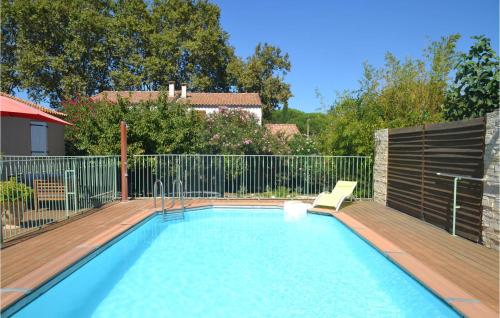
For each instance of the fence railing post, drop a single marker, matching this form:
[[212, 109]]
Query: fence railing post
[[95, 180], [115, 181], [252, 176], [124, 172], [48, 189]]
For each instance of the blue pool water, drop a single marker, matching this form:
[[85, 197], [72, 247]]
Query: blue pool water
[[222, 262]]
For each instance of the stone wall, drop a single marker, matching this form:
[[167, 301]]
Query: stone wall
[[491, 199], [380, 166]]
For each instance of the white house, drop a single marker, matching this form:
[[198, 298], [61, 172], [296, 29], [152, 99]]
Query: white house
[[207, 102]]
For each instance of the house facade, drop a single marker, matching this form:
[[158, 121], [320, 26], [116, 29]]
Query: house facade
[[206, 102], [28, 129]]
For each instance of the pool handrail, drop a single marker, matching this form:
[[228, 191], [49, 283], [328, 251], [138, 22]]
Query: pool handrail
[[178, 182], [456, 178], [162, 193]]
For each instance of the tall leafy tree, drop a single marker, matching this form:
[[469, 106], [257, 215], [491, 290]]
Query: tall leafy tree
[[9, 80], [443, 57], [55, 48], [129, 41], [312, 123], [154, 127], [475, 89], [58, 49], [187, 44], [264, 72]]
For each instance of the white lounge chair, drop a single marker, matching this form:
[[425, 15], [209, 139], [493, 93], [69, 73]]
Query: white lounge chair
[[342, 190]]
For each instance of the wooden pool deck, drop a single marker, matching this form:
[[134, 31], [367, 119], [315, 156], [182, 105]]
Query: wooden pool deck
[[464, 273]]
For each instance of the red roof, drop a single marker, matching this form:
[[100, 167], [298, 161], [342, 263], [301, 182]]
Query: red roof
[[43, 109], [13, 107], [288, 130], [224, 99], [196, 99]]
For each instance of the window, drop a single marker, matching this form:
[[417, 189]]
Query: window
[[39, 142]]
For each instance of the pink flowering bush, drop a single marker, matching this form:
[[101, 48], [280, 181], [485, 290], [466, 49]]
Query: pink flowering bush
[[303, 145], [237, 132]]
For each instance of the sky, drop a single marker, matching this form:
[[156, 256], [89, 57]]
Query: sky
[[328, 41]]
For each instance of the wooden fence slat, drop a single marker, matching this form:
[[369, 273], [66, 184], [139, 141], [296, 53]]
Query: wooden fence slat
[[416, 154]]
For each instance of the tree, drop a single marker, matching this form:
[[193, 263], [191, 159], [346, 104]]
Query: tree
[[400, 94], [475, 89], [154, 127], [9, 81], [316, 122], [166, 127], [55, 48], [163, 126], [130, 39], [95, 129], [188, 44], [58, 50], [350, 127], [264, 72]]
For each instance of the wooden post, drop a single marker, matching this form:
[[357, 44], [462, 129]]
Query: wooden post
[[123, 130]]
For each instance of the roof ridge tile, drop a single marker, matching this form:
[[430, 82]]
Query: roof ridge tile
[[31, 104], [207, 99]]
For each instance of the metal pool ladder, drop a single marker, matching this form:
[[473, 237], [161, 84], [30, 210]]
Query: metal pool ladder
[[179, 214], [174, 215], [162, 192], [181, 193]]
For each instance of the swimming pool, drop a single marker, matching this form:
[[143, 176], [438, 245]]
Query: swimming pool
[[235, 262]]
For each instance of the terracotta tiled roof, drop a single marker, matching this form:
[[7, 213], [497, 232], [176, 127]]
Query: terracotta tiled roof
[[133, 96], [43, 109], [197, 99], [288, 130], [224, 99]]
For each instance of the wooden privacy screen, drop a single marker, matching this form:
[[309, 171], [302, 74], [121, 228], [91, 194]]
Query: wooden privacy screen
[[417, 154]]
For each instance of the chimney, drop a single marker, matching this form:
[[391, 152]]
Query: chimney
[[183, 90], [171, 89]]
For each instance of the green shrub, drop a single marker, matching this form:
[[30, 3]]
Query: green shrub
[[237, 132], [163, 126], [317, 122], [12, 191], [474, 91], [303, 145], [279, 192]]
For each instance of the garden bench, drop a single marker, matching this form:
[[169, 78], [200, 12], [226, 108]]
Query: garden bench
[[44, 190]]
